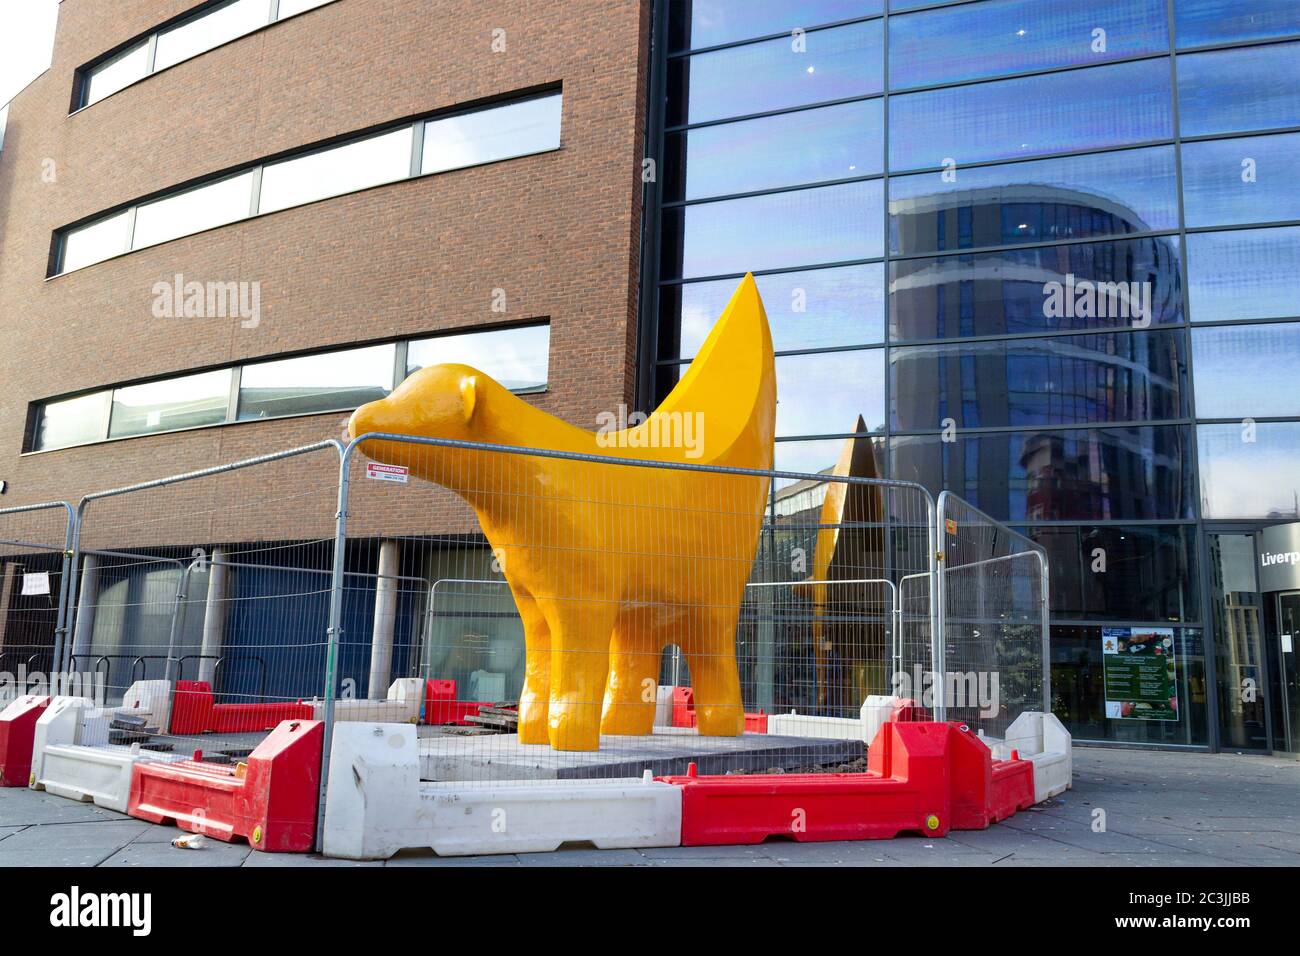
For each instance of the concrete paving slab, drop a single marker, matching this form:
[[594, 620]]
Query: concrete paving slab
[[109, 834], [213, 853]]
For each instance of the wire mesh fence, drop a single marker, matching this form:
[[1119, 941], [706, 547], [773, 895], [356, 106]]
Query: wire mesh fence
[[993, 604], [35, 541]]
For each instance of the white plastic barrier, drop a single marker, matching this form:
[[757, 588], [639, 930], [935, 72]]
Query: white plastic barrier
[[402, 705], [150, 699], [375, 805], [1043, 739], [876, 711], [826, 728], [664, 706], [71, 756]]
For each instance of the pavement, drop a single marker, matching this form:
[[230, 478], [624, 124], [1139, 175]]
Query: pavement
[[1127, 808]]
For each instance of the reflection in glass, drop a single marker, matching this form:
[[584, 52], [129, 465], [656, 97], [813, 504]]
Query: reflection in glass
[[760, 77], [1234, 91], [1074, 197], [702, 23], [1247, 371], [807, 146], [1244, 274], [72, 421], [817, 308], [1250, 470], [517, 358], [1000, 293], [337, 170], [489, 135], [1083, 474], [999, 37], [316, 383], [185, 402], [1235, 603], [1202, 22], [1064, 380], [1143, 572], [815, 457], [211, 29], [193, 211], [95, 241], [804, 226], [1231, 181], [823, 394], [117, 73], [1081, 109]]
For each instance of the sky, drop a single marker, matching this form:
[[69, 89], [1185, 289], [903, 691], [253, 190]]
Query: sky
[[26, 41]]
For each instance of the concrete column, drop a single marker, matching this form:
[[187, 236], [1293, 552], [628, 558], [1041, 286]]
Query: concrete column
[[83, 636], [386, 593], [214, 615]]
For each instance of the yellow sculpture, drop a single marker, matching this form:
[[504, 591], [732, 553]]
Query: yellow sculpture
[[609, 564]]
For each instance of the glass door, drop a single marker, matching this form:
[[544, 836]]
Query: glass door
[[1241, 671], [1287, 736]]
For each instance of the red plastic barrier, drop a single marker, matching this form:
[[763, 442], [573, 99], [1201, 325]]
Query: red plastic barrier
[[17, 730], [684, 712], [250, 718], [922, 777], [270, 802], [442, 707], [192, 707]]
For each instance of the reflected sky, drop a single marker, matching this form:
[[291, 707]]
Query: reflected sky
[[1247, 370], [1250, 479], [1250, 179], [1243, 274], [1234, 91], [713, 22]]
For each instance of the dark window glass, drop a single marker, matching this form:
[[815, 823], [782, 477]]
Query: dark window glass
[[999, 293], [316, 383], [700, 23], [1064, 380], [1250, 470], [1233, 181], [801, 227], [1234, 91], [817, 308], [824, 393], [1074, 197], [1131, 573], [1079, 698], [1236, 606], [1247, 370], [1201, 22], [807, 146], [1081, 109], [817, 456], [1244, 274], [1125, 474], [979, 40], [815, 67]]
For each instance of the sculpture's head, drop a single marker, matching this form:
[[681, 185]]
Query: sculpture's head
[[441, 401]]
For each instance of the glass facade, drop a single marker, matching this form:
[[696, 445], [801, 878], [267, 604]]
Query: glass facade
[[1050, 254]]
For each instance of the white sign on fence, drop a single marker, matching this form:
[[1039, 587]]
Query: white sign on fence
[[378, 472], [37, 582]]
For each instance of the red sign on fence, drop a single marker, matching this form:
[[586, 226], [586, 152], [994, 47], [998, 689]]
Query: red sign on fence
[[380, 472]]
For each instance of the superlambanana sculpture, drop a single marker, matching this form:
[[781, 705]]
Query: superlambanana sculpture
[[609, 564]]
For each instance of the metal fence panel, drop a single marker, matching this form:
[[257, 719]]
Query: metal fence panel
[[35, 546]]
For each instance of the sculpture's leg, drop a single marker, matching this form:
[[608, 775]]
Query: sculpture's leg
[[535, 700], [633, 678], [580, 636], [710, 651]]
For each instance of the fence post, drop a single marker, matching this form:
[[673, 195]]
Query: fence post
[[1047, 630], [333, 633], [61, 628], [940, 618]]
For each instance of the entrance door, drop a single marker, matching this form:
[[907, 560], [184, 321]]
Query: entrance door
[[1288, 623], [1242, 674]]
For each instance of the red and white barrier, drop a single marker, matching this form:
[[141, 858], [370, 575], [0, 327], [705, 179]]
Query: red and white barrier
[[17, 732]]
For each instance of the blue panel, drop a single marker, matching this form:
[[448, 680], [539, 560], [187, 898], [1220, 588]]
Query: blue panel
[[1235, 91], [701, 23], [1202, 22], [824, 393], [1244, 274], [1236, 181], [1250, 470], [1247, 371]]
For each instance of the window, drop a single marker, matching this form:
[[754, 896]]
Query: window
[[211, 27], [714, 22], [817, 308], [1232, 181], [1250, 470], [193, 211], [1235, 91], [823, 394], [1063, 380], [1247, 370], [1244, 274], [186, 402], [1202, 22], [1005, 293], [981, 40], [517, 358], [314, 174], [827, 224], [1073, 197], [493, 134], [834, 142], [316, 383], [1081, 109], [72, 421], [340, 169], [834, 64]]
